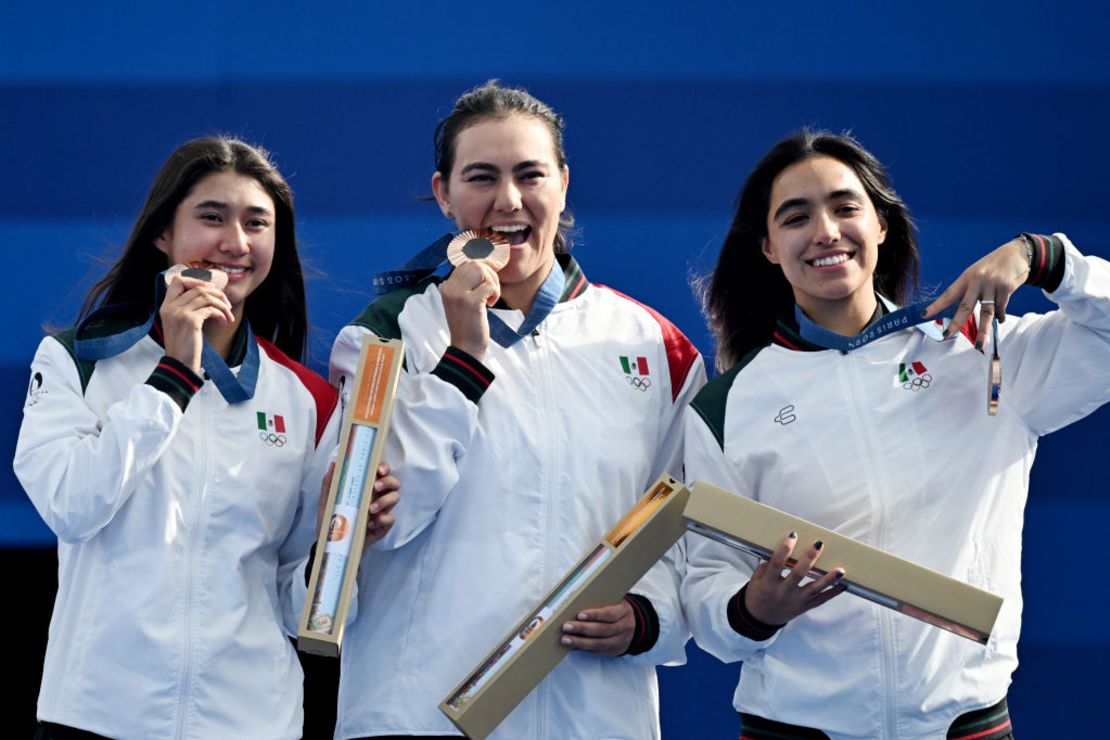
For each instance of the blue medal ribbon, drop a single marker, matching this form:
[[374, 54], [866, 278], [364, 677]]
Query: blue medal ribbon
[[434, 256], [897, 320], [419, 266], [234, 389]]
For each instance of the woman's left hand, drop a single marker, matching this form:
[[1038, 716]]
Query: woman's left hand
[[990, 282], [607, 630], [385, 496]]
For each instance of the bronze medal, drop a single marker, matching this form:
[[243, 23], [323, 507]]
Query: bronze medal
[[199, 271], [485, 245], [994, 374]]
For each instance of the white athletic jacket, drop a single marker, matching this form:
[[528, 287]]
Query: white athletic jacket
[[891, 444], [178, 535], [510, 471]]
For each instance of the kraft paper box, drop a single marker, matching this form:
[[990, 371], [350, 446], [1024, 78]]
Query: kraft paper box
[[343, 530], [869, 572], [532, 649]]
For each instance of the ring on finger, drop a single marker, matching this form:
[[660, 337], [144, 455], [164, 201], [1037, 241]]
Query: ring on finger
[[985, 302]]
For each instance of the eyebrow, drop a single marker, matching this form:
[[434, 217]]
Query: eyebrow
[[833, 196], [489, 167], [221, 206]]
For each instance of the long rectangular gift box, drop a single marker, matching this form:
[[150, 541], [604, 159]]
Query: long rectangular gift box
[[871, 573], [603, 576], [343, 529]]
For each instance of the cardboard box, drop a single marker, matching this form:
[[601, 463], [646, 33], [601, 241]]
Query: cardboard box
[[532, 649], [339, 546], [875, 575]]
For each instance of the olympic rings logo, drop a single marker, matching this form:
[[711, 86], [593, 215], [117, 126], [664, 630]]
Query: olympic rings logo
[[271, 439], [918, 382], [640, 384]]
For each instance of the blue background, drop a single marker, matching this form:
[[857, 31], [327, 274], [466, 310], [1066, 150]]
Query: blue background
[[991, 118]]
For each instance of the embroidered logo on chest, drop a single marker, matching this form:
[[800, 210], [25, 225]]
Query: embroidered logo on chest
[[786, 415], [636, 372], [271, 429], [914, 376]]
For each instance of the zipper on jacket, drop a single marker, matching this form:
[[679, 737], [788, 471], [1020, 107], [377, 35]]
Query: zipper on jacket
[[191, 532], [858, 400], [548, 488]]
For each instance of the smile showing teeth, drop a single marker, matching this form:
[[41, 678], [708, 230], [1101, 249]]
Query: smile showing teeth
[[835, 259], [515, 234], [232, 270]]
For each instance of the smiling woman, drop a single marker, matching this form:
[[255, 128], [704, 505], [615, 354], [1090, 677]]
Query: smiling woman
[[888, 443], [177, 451], [515, 377]]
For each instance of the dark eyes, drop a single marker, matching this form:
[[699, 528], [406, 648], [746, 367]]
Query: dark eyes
[[844, 210], [529, 176], [216, 218]]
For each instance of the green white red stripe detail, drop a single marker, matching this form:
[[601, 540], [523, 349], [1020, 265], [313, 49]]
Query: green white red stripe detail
[[271, 422]]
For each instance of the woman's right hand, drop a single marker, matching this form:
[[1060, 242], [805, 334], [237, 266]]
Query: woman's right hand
[[471, 287], [188, 304], [775, 599]]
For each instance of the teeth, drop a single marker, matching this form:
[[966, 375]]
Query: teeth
[[826, 261], [510, 229], [232, 270]]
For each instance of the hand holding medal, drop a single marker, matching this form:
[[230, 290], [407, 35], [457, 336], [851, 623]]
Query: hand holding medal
[[194, 294], [472, 287]]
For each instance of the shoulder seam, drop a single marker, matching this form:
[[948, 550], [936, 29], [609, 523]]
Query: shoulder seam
[[681, 352], [323, 393], [85, 368]]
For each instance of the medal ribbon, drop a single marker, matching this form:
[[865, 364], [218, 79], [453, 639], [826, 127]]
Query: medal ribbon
[[896, 320], [434, 256], [419, 266], [234, 389]]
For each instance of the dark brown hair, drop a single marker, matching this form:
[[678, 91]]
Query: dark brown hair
[[276, 309], [493, 100], [746, 294]]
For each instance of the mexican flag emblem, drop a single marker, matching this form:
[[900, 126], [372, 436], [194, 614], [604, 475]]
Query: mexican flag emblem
[[909, 371], [634, 365], [271, 422]]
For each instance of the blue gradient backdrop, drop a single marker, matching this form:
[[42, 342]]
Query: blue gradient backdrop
[[990, 116]]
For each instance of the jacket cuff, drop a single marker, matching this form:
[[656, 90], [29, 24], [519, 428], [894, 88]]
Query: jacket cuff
[[743, 623], [463, 371], [1046, 261], [176, 380], [647, 624]]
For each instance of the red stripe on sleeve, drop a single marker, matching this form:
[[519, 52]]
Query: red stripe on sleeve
[[178, 373]]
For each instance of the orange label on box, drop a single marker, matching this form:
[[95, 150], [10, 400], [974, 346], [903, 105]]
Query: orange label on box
[[371, 392]]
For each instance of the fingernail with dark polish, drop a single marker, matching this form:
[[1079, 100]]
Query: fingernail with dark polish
[[793, 535], [978, 344], [818, 545], [839, 575]]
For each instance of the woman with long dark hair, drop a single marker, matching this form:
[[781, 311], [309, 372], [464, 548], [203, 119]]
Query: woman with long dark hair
[[176, 448], [840, 404]]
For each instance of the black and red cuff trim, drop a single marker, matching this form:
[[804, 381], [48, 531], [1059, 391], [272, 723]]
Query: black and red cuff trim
[[463, 371], [742, 621], [176, 380], [1046, 261], [647, 624]]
